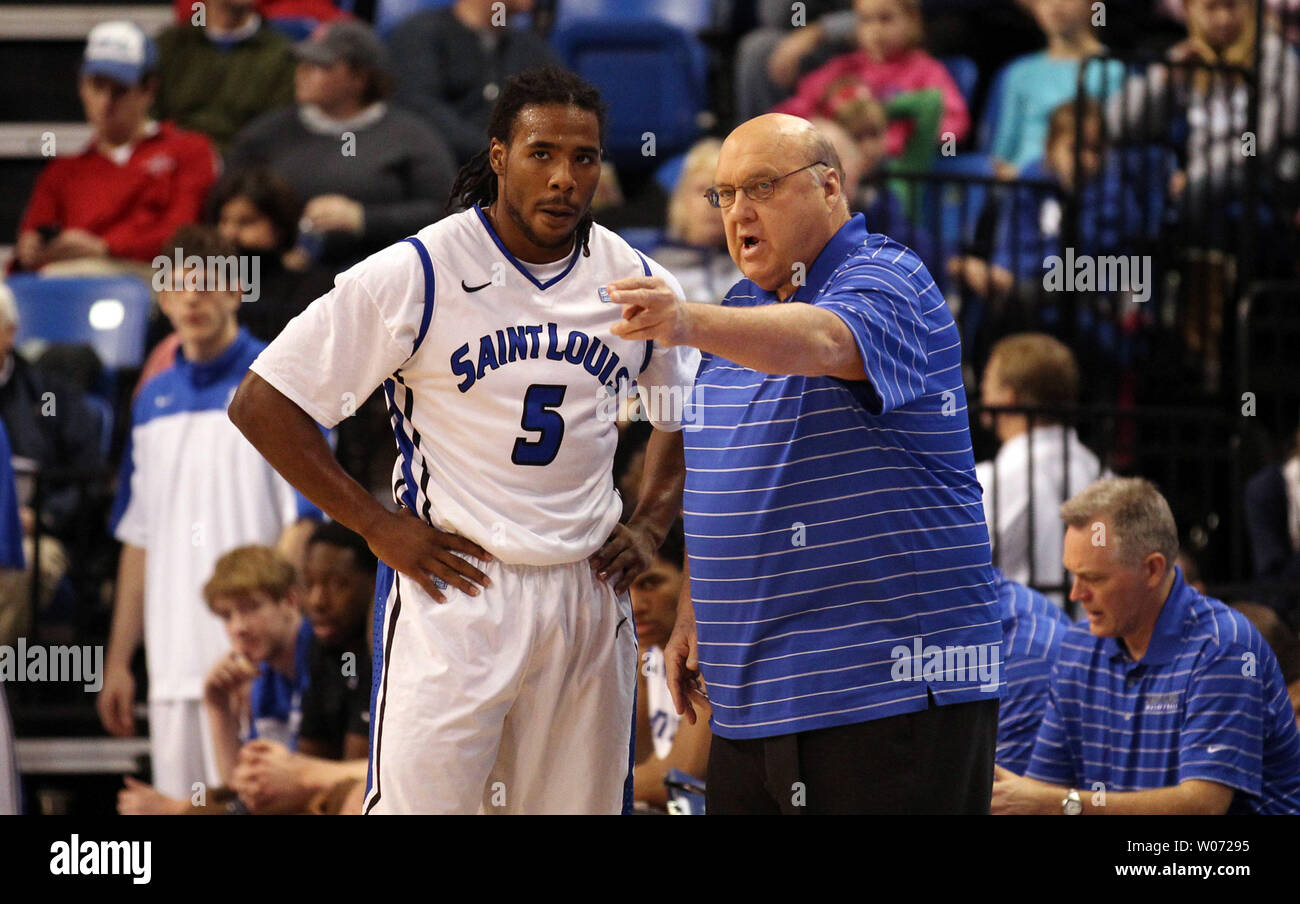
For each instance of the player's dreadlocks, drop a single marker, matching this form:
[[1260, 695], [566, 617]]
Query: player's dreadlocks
[[476, 183]]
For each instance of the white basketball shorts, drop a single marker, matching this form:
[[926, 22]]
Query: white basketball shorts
[[518, 700]]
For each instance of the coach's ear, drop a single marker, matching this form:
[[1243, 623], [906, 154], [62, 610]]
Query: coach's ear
[[497, 152]]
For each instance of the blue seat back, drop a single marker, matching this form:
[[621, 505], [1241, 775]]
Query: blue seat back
[[692, 15], [390, 12], [652, 78], [108, 313], [965, 73]]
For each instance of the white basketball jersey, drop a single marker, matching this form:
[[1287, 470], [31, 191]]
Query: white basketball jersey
[[499, 385], [663, 715]]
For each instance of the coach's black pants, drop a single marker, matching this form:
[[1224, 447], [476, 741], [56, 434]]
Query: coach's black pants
[[938, 760]]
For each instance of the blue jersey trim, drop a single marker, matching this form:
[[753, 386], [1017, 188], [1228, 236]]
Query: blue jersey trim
[[427, 264], [403, 444], [577, 250], [384, 576]]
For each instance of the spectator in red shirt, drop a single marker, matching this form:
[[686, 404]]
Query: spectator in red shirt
[[135, 183], [891, 63]]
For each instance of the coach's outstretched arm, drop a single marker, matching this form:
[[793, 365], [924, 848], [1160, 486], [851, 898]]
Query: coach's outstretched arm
[[291, 441], [775, 339]]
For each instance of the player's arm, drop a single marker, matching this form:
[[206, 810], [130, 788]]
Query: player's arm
[[117, 697], [798, 339], [631, 549], [290, 440], [690, 754]]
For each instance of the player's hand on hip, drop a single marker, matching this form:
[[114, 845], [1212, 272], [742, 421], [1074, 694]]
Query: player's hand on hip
[[651, 310], [423, 553], [683, 666], [629, 551]]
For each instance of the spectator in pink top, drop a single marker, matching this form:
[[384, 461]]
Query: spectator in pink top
[[889, 60]]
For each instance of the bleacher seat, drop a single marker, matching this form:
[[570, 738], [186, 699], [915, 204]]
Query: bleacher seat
[[988, 121], [966, 74], [652, 78], [643, 238], [692, 15], [108, 313], [668, 175], [390, 12]]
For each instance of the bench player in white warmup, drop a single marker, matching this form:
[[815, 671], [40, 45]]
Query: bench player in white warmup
[[507, 673]]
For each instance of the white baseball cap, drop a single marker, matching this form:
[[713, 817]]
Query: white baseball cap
[[121, 50]]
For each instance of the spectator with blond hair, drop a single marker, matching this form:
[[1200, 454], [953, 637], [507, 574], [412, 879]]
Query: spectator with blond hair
[[1040, 462], [695, 249], [1164, 700]]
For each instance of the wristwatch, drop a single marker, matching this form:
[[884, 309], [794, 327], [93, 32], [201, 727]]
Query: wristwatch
[[1072, 806]]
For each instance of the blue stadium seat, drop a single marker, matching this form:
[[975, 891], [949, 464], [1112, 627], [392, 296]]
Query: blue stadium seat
[[108, 313], [295, 28], [988, 123], [389, 12], [652, 78], [692, 15], [643, 238], [668, 175], [965, 73]]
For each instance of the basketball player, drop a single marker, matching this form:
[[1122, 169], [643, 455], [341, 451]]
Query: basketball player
[[506, 666]]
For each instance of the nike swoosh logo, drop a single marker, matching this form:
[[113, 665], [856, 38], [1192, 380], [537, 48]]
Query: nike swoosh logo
[[622, 622], [468, 288], [1215, 748]]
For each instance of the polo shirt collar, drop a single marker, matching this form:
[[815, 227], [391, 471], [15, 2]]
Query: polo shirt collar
[[208, 372], [847, 239], [1167, 636]]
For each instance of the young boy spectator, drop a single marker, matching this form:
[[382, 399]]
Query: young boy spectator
[[1026, 483], [371, 173], [1037, 84], [256, 690], [663, 741], [219, 75], [191, 487], [890, 62], [135, 183]]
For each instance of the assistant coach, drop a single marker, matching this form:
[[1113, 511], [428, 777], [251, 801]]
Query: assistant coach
[[844, 618]]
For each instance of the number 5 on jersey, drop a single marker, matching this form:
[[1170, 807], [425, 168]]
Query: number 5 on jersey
[[540, 416]]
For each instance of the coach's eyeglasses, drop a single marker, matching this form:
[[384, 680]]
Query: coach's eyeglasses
[[755, 189]]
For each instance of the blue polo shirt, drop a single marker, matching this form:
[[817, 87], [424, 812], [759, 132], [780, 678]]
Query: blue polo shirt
[[835, 527], [1032, 630], [276, 712], [1207, 701]]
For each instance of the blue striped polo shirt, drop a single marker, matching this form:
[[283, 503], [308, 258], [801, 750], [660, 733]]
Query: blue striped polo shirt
[[1032, 629], [1207, 701], [832, 525]]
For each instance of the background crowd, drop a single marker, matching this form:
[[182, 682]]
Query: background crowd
[[300, 136]]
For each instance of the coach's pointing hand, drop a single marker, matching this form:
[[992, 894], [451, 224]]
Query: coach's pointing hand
[[423, 553], [651, 310]]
